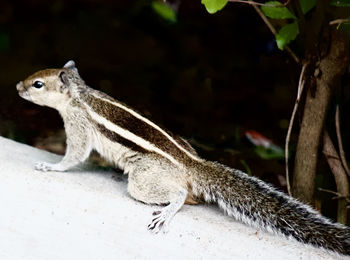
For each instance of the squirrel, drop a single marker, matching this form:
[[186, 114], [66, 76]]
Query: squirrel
[[164, 169]]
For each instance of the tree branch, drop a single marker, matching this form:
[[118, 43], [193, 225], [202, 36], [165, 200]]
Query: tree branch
[[300, 14], [338, 195], [340, 142], [296, 104], [259, 4], [340, 177], [331, 192], [339, 21]]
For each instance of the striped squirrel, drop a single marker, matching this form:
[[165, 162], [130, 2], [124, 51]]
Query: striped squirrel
[[163, 168]]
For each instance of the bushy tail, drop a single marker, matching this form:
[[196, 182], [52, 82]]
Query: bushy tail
[[256, 203]]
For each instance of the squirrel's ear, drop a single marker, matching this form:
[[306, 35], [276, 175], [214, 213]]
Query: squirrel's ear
[[70, 65], [65, 87], [64, 78]]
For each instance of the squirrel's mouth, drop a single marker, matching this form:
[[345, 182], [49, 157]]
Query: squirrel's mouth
[[24, 95]]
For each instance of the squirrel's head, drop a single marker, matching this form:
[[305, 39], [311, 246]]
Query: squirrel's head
[[51, 87]]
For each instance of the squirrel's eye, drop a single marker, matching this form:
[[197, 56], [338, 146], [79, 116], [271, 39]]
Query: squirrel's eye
[[38, 84]]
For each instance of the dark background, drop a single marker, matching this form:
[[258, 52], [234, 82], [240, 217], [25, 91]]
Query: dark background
[[206, 77]]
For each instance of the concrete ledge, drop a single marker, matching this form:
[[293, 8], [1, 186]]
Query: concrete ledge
[[87, 214]]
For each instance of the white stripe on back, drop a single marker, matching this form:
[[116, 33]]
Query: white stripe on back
[[151, 124], [129, 136]]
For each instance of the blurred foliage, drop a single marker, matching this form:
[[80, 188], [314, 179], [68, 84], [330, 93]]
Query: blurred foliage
[[273, 152], [213, 6], [287, 34], [340, 3], [275, 10], [165, 11], [345, 26], [307, 5]]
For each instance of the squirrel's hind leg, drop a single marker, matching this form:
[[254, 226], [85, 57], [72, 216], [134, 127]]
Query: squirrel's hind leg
[[163, 217], [159, 182]]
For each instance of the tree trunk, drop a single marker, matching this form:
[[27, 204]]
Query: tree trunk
[[329, 68]]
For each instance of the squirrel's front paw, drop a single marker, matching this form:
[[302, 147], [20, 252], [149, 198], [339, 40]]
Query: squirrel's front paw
[[45, 167]]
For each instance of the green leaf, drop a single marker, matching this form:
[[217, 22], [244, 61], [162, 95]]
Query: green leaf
[[287, 34], [344, 26], [307, 5], [268, 153], [274, 9], [340, 3], [213, 6], [164, 11]]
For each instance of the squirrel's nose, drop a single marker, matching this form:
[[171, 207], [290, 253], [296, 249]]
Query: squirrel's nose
[[19, 85]]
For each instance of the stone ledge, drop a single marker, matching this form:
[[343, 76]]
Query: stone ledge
[[87, 214]]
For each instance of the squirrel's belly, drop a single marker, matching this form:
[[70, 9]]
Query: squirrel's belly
[[112, 151]]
